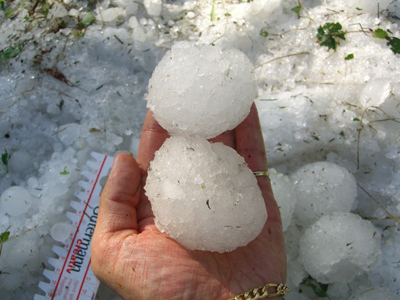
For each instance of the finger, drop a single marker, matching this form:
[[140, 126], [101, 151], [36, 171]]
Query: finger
[[250, 145], [227, 138], [153, 136], [118, 201], [250, 142]]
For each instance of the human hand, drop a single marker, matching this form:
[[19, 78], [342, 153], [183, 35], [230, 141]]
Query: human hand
[[137, 261]]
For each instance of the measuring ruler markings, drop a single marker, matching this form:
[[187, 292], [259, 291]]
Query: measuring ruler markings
[[72, 277]]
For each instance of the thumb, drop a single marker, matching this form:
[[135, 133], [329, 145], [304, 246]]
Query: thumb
[[120, 196]]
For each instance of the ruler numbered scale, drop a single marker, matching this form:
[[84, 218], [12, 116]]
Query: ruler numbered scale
[[72, 277]]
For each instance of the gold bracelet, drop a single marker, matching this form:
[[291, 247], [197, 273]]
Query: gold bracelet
[[262, 292]]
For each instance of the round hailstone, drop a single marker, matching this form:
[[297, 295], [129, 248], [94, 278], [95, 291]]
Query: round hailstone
[[20, 162], [204, 195], [61, 231], [201, 91], [16, 200], [375, 293], [285, 196], [322, 188], [339, 247]]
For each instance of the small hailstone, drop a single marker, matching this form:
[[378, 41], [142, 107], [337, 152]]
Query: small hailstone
[[153, 7], [201, 91], [60, 231], [15, 201], [322, 188], [285, 196], [375, 92], [20, 162], [339, 247], [204, 195]]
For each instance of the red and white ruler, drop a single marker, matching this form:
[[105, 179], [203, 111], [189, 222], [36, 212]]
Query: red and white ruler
[[72, 277]]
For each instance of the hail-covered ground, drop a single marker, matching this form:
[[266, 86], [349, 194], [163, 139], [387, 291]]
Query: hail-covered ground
[[74, 75]]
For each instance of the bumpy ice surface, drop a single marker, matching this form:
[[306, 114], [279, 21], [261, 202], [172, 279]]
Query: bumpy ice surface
[[322, 187], [211, 202], [343, 245], [201, 91]]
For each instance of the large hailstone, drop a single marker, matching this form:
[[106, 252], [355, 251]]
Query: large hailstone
[[339, 247], [204, 195], [322, 188], [201, 91]]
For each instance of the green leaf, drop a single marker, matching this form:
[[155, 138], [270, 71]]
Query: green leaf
[[342, 133], [264, 33], [319, 289], [4, 236], [380, 34], [358, 8], [297, 10], [350, 56], [11, 51], [356, 119], [394, 44], [329, 35], [65, 172], [88, 19], [4, 159]]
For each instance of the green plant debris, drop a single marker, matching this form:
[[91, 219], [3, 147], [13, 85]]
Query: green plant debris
[[263, 32], [349, 57], [297, 10], [4, 238], [392, 42], [212, 14], [358, 8], [87, 19], [380, 34], [11, 51], [282, 107], [4, 159], [271, 99], [2, 5], [315, 137], [342, 133], [356, 119], [330, 34], [319, 289], [64, 172], [203, 186]]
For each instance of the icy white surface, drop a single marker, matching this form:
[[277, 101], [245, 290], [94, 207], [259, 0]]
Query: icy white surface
[[375, 293], [314, 105], [201, 91], [204, 195], [15, 201], [285, 196], [337, 248], [322, 188], [61, 231]]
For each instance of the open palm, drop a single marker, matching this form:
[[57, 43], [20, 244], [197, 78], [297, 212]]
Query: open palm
[[137, 261]]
